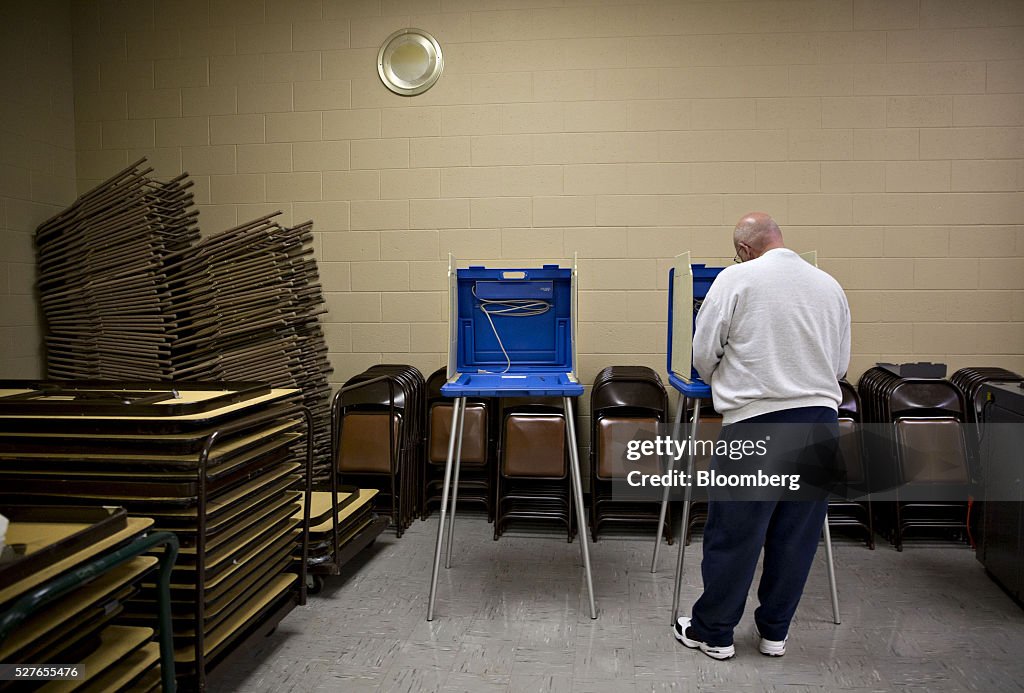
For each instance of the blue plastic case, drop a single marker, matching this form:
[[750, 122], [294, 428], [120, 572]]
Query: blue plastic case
[[685, 378], [539, 337]]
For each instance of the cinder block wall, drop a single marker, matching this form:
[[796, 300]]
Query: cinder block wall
[[886, 134], [37, 163]]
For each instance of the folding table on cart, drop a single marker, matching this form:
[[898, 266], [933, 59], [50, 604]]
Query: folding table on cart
[[687, 286], [512, 333]]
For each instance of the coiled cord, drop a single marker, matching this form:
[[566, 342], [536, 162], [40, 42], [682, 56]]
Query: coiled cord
[[510, 308]]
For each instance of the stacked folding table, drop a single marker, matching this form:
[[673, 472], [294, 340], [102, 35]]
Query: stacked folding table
[[68, 574], [213, 463]]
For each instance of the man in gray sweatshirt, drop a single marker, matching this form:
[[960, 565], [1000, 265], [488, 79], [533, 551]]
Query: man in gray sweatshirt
[[772, 339]]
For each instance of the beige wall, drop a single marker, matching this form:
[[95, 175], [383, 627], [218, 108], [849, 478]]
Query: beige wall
[[37, 163], [887, 134]]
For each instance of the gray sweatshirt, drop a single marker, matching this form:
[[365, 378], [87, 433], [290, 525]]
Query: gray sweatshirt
[[772, 334]]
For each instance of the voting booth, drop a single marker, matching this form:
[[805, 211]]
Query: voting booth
[[511, 333], [688, 285]]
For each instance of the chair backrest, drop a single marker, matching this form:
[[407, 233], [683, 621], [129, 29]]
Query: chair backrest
[[851, 455], [533, 445], [474, 433], [915, 397], [376, 395], [623, 392], [707, 432], [613, 435], [435, 381], [931, 451], [849, 407], [364, 442], [886, 397]]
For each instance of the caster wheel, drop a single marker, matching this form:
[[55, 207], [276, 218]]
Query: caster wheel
[[314, 584]]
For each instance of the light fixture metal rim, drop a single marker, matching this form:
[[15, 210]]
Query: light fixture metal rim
[[390, 80]]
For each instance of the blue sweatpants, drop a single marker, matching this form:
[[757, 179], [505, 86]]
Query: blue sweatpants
[[788, 530]]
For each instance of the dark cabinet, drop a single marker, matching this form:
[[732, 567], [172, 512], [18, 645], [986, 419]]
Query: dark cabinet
[[1001, 550]]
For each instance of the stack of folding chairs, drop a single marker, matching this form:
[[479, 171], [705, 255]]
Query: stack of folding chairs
[[130, 292], [533, 483], [970, 380], [924, 462], [247, 304], [626, 403], [708, 430], [849, 512], [477, 468], [104, 284], [366, 457]]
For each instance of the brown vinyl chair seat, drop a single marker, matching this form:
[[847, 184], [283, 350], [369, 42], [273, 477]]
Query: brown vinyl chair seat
[[533, 446], [364, 443], [474, 433]]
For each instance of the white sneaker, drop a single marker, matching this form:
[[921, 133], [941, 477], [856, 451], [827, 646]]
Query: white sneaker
[[771, 648], [715, 652]]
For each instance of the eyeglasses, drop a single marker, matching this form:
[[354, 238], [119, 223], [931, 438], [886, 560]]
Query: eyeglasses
[[736, 258]]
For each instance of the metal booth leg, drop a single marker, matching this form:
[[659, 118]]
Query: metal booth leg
[[686, 512], [456, 416], [669, 467], [831, 572], [455, 486], [577, 488]]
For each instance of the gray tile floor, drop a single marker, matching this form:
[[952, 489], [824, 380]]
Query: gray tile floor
[[512, 616]]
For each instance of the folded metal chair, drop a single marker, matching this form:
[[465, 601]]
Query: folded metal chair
[[362, 455], [844, 512], [932, 457], [625, 402], [533, 480], [476, 477], [922, 411]]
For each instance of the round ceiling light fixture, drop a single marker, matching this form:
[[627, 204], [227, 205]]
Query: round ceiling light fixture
[[410, 62]]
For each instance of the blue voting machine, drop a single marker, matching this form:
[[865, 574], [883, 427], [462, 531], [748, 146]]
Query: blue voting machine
[[687, 286], [512, 332]]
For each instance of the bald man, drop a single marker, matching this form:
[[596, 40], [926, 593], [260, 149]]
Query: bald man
[[772, 339]]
